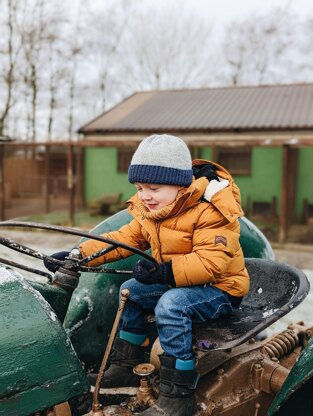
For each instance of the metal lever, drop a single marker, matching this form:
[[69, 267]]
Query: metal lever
[[96, 406]]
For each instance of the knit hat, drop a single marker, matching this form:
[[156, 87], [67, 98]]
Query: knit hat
[[161, 159]]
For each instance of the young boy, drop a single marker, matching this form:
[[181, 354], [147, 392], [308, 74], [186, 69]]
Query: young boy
[[193, 230]]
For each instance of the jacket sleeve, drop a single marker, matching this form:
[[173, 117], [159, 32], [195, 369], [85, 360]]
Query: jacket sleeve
[[214, 246], [129, 234]]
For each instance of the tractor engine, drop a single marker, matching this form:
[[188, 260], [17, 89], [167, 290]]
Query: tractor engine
[[244, 381]]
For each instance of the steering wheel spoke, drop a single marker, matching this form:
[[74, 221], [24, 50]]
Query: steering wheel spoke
[[71, 264], [98, 254]]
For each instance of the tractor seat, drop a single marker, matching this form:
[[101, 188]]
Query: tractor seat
[[275, 289]]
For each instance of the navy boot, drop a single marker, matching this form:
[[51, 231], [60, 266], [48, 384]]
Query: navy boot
[[177, 391]]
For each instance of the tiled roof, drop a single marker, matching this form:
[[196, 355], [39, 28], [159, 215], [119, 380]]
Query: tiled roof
[[275, 107]]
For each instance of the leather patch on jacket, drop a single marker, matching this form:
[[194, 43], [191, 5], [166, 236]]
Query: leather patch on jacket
[[220, 239]]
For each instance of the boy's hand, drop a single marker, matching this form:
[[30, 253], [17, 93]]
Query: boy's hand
[[60, 255], [148, 273]]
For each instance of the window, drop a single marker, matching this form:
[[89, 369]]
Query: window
[[125, 155], [195, 152], [237, 160]]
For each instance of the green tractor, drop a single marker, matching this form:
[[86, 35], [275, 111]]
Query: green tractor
[[54, 332]]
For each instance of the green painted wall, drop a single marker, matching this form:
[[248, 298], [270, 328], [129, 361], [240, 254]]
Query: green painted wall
[[262, 185], [265, 180], [304, 184], [101, 176], [206, 153]]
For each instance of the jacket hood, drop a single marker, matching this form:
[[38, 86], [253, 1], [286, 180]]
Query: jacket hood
[[228, 201], [220, 170]]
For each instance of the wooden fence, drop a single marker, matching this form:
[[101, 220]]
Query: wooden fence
[[40, 178]]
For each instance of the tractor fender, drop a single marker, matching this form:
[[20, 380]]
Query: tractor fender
[[38, 365]]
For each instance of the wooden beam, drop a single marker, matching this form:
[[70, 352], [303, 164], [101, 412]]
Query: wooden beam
[[283, 219], [47, 180], [70, 184], [2, 185], [79, 174], [292, 184]]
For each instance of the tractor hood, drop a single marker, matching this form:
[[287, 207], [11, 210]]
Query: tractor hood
[[38, 366]]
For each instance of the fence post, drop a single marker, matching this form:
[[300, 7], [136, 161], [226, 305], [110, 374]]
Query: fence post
[[70, 183], [2, 190], [47, 180]]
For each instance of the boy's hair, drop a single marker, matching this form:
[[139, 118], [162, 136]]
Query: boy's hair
[[161, 159]]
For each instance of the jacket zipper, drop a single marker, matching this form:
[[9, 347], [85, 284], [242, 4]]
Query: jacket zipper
[[158, 226]]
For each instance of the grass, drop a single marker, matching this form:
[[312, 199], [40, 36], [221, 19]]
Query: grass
[[82, 219]]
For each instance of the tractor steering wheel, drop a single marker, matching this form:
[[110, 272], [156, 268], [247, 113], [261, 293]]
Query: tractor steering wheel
[[70, 263]]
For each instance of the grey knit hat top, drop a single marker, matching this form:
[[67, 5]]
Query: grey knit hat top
[[161, 159]]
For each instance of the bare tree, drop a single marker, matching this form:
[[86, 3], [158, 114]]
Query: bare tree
[[42, 65], [255, 46], [33, 36], [166, 49], [57, 73], [105, 34], [306, 63], [75, 63], [76, 48], [9, 51]]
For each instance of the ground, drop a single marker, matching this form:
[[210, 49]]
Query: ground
[[297, 255]]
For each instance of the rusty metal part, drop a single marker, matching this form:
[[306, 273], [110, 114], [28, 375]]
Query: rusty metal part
[[246, 378], [116, 410], [238, 382], [301, 328], [257, 408], [268, 376], [282, 344], [156, 350], [96, 406], [146, 394], [63, 409]]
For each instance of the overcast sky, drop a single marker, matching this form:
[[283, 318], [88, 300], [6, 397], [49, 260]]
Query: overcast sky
[[225, 10], [222, 11]]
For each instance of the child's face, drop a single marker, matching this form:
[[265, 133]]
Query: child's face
[[155, 196]]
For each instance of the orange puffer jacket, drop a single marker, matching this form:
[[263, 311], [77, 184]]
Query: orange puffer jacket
[[200, 238]]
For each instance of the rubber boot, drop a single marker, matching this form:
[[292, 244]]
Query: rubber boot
[[123, 358], [177, 391]]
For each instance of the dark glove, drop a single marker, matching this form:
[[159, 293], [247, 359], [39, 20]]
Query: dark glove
[[149, 273], [208, 171], [60, 255]]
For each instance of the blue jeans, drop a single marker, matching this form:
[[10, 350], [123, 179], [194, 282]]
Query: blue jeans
[[175, 311]]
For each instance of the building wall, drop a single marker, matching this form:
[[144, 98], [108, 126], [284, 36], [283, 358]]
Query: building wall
[[304, 179], [100, 174], [262, 185], [265, 180]]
